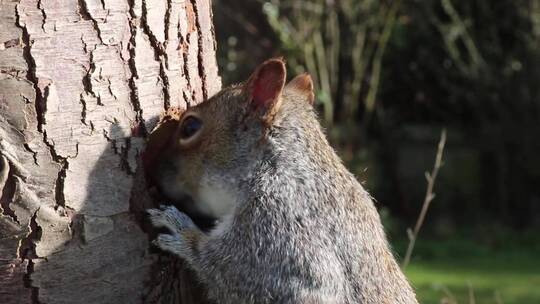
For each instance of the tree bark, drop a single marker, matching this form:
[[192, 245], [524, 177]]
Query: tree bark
[[81, 85]]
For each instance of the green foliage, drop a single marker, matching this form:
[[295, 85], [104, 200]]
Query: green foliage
[[468, 63], [498, 279], [499, 267], [390, 74], [451, 268], [341, 43]]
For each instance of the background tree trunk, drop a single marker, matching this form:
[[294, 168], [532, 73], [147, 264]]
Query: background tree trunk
[[81, 84]]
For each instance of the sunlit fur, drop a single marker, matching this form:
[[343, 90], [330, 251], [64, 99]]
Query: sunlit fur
[[301, 229]]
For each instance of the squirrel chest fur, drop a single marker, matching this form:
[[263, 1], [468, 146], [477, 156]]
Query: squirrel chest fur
[[294, 225]]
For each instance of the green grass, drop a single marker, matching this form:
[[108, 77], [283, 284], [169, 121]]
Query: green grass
[[511, 275]]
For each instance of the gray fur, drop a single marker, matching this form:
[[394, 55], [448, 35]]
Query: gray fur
[[303, 229]]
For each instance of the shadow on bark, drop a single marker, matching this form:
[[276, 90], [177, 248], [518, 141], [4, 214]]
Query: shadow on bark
[[109, 250], [170, 280]]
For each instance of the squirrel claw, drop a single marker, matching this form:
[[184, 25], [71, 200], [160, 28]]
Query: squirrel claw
[[177, 222], [169, 217], [169, 243]]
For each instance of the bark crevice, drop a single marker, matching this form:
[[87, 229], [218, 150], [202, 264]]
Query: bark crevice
[[159, 52], [122, 150], [140, 127], [34, 153], [167, 22], [200, 53], [40, 101], [27, 245], [83, 108], [184, 42], [60, 198], [124, 157], [85, 14], [7, 189], [27, 252], [43, 14]]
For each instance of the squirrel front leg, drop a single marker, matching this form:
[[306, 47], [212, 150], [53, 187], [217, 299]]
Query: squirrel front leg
[[185, 237]]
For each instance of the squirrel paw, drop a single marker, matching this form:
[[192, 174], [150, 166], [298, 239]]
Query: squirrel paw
[[170, 243], [169, 217], [183, 234]]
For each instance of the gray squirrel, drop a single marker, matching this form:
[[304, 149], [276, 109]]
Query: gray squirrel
[[294, 225]]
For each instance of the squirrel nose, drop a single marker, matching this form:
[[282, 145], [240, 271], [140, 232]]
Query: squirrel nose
[[158, 144], [161, 136]]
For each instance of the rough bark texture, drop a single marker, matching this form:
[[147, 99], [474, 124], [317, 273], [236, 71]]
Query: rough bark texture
[[81, 84]]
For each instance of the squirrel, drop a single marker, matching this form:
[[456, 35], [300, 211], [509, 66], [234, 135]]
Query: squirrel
[[293, 224]]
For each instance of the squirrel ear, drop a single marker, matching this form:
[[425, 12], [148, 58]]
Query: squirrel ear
[[265, 86], [303, 85]]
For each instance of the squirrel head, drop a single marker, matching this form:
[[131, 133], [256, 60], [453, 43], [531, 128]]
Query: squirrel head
[[206, 151]]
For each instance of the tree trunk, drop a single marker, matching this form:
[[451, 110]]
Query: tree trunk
[[81, 85]]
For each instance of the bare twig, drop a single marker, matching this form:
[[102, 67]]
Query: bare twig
[[377, 61], [472, 299], [427, 200], [449, 297], [498, 299], [454, 33]]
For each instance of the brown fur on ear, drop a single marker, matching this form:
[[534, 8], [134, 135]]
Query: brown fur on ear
[[303, 85], [265, 86]]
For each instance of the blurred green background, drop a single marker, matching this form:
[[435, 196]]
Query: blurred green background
[[389, 76]]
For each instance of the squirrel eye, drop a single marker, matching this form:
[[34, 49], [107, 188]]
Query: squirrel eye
[[189, 127]]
